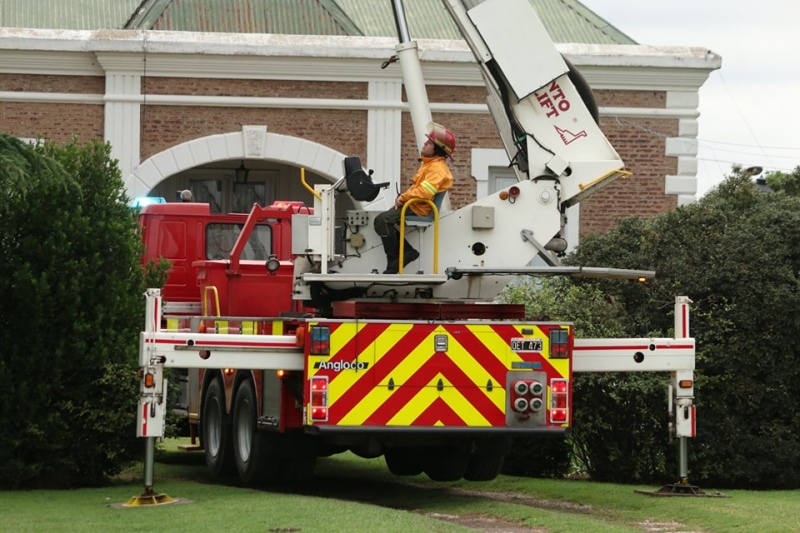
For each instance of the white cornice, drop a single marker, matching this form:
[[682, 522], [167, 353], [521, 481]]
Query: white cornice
[[643, 78], [227, 44], [641, 56], [280, 68], [328, 58], [61, 63]]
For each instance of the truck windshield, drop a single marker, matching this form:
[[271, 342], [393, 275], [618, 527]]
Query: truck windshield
[[220, 238]]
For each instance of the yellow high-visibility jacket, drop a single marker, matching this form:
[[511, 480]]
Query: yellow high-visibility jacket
[[432, 177]]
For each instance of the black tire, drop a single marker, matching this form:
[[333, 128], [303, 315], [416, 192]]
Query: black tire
[[484, 467], [216, 431], [298, 457], [251, 452], [487, 459], [404, 461], [446, 464], [298, 469]]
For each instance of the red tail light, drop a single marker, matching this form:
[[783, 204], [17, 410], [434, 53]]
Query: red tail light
[[319, 398], [559, 401]]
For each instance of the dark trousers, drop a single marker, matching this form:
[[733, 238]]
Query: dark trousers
[[386, 227], [386, 223]]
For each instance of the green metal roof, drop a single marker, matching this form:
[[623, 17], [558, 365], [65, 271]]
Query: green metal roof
[[568, 21], [426, 19], [297, 17], [66, 14]]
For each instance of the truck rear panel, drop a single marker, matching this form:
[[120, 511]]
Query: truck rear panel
[[465, 375]]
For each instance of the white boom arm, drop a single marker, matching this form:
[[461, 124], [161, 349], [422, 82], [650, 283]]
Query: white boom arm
[[558, 151], [549, 132], [536, 99]]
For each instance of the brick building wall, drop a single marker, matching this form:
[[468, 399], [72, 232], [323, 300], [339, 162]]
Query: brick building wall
[[52, 120], [639, 141], [52, 83], [166, 126]]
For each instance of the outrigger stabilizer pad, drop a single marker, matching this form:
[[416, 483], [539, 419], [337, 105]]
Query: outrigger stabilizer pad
[[681, 489], [149, 499]]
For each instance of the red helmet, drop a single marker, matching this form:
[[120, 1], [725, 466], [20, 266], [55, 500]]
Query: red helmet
[[441, 137]]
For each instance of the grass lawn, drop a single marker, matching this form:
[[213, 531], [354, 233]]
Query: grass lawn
[[355, 495]]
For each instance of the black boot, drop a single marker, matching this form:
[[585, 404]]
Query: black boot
[[409, 254], [391, 246]]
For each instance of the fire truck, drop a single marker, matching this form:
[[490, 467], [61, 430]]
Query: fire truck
[[297, 347]]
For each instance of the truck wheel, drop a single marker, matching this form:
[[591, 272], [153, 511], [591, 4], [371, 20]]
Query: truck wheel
[[404, 461], [487, 459], [298, 469], [299, 457], [251, 450], [446, 464], [484, 467], [216, 434]]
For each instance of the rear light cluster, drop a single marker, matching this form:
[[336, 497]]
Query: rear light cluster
[[320, 340], [527, 395], [319, 398], [559, 401], [559, 343]]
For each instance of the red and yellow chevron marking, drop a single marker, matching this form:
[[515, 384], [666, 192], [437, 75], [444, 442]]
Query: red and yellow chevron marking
[[390, 374]]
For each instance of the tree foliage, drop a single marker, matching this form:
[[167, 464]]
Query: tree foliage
[[71, 288], [788, 183], [736, 254]]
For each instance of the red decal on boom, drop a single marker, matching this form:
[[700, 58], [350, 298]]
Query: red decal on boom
[[568, 137]]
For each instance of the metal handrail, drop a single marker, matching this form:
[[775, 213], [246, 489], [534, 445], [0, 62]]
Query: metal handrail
[[306, 185], [205, 299], [435, 232]]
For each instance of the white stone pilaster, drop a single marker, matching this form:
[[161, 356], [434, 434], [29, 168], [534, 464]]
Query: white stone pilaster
[[384, 138], [122, 121]]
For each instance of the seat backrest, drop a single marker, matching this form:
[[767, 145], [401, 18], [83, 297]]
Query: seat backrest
[[438, 198]]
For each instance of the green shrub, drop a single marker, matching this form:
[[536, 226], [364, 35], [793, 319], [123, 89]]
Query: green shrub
[[542, 456], [71, 288], [598, 444], [736, 254]]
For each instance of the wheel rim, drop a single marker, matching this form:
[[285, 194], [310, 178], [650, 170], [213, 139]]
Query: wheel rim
[[244, 430]]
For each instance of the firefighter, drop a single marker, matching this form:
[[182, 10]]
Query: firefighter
[[432, 177], [186, 195]]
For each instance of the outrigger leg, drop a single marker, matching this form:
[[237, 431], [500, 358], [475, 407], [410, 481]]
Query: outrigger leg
[[152, 405], [683, 425], [149, 497]]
